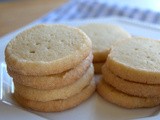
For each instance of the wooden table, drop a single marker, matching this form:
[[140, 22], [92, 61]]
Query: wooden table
[[18, 13]]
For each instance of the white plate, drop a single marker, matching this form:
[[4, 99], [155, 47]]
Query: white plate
[[93, 109]]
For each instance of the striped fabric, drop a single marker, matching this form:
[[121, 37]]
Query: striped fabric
[[83, 9]]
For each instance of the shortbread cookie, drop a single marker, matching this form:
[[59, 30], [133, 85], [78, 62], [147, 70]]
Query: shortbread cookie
[[119, 98], [102, 37], [55, 94], [57, 105], [97, 68], [47, 49], [55, 80], [132, 88], [136, 59]]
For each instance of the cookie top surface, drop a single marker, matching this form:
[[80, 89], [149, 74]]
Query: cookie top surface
[[103, 36], [47, 45], [138, 53], [136, 59]]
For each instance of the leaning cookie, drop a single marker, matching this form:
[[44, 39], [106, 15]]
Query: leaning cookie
[[119, 98], [132, 88], [56, 80], [57, 105], [55, 94], [102, 37], [47, 49]]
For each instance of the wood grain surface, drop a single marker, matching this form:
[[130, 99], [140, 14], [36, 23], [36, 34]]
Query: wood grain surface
[[17, 13]]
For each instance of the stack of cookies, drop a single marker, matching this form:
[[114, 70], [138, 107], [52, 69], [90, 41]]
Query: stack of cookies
[[51, 66], [132, 74], [102, 37]]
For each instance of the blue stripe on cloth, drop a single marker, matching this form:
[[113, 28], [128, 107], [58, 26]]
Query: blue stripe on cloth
[[111, 10], [91, 13], [53, 14], [145, 15], [133, 13], [65, 11], [156, 18], [99, 10], [72, 14], [83, 9], [122, 11], [102, 10]]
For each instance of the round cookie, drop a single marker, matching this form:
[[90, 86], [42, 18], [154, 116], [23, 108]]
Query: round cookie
[[132, 88], [56, 80], [136, 59], [119, 98], [55, 94], [97, 68], [57, 105], [102, 37], [47, 49]]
